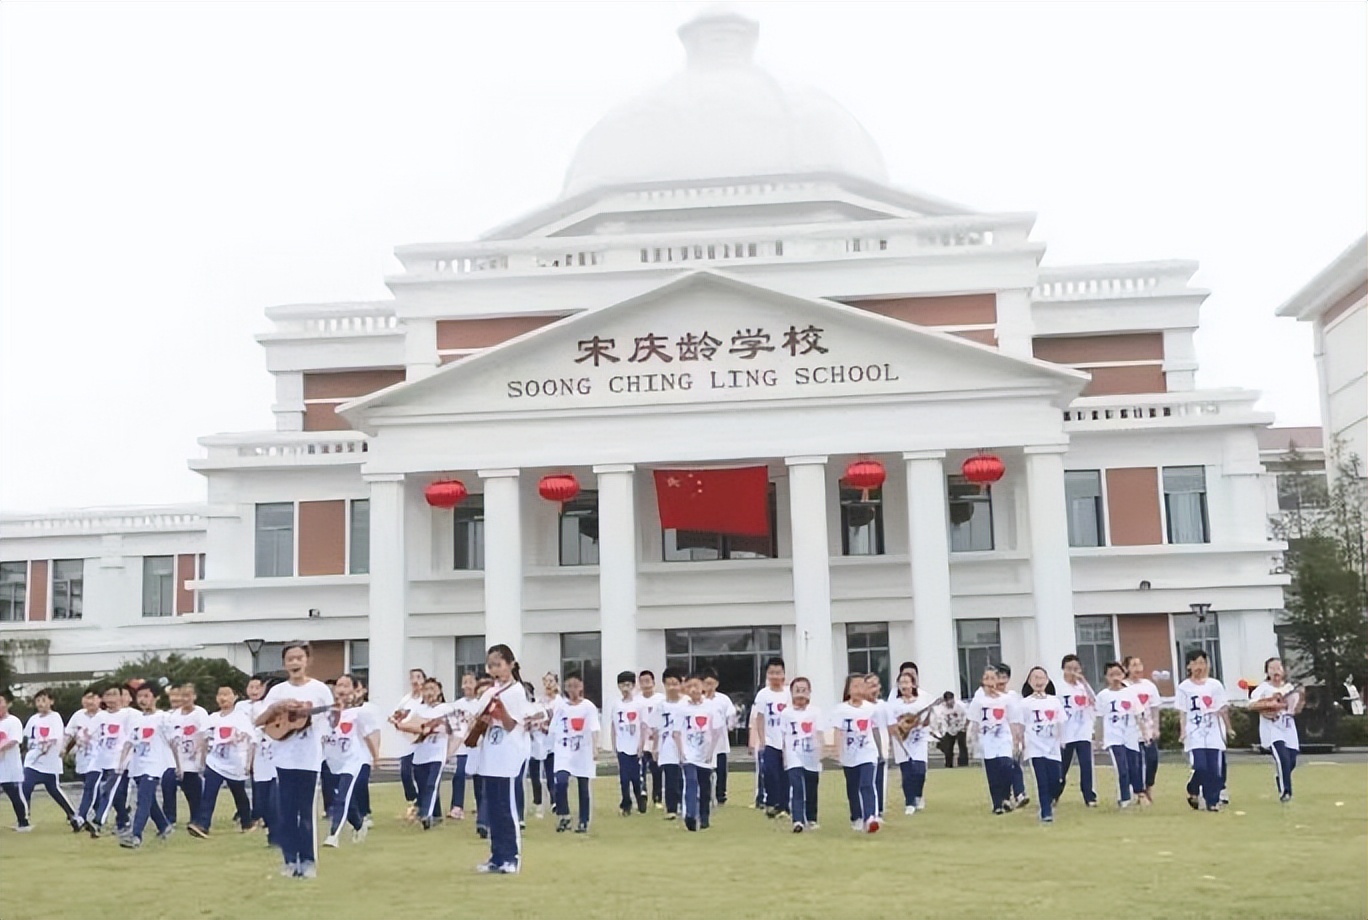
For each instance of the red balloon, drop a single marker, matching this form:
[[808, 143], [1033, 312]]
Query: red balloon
[[983, 469], [445, 493], [560, 487], [865, 474]]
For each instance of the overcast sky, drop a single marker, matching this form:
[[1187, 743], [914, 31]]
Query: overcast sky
[[169, 170]]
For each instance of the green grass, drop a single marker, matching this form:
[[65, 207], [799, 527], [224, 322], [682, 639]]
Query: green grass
[[1259, 859]]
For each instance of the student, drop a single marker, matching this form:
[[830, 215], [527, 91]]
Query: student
[[1201, 701], [574, 734], [698, 737], [1277, 702], [907, 718], [628, 740], [351, 748], [1079, 703], [766, 740], [147, 755], [951, 724], [1019, 795], [265, 810], [407, 703], [503, 754], [429, 752], [802, 727], [11, 766], [874, 695], [1121, 732], [43, 762], [904, 668], [668, 721], [113, 727], [482, 683], [462, 715], [541, 762], [1043, 717], [858, 746], [990, 720], [81, 731], [726, 712], [228, 738], [1148, 697], [298, 758], [185, 724], [650, 699]]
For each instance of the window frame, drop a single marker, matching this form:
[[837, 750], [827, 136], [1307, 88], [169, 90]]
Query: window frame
[[78, 597], [258, 531], [465, 664], [870, 652], [1099, 509], [470, 513], [353, 531], [589, 667], [981, 497], [166, 587], [1093, 662], [1210, 644], [1204, 503], [570, 512], [16, 599], [849, 498], [968, 670]]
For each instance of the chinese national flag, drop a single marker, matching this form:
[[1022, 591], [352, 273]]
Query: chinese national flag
[[734, 501]]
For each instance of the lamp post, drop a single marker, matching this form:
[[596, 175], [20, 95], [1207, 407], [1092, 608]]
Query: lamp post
[[254, 648], [1200, 611]]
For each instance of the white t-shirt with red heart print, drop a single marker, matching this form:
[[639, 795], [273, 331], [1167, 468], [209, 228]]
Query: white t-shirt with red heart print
[[913, 747], [229, 740], [150, 751], [803, 738], [667, 720], [993, 716], [771, 704], [1148, 696], [83, 727], [1079, 714], [11, 764], [629, 725], [344, 746], [1120, 712], [572, 736], [45, 736], [702, 732], [1200, 706], [1042, 720], [856, 725], [112, 730], [184, 729]]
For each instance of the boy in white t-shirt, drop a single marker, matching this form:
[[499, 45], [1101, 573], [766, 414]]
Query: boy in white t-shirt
[[265, 802], [726, 711], [574, 738], [803, 732], [1019, 796], [113, 726], [11, 766], [147, 755], [1147, 695], [650, 699], [185, 723], [1201, 701], [43, 763], [629, 739], [1121, 732], [666, 722], [228, 737], [766, 737], [81, 731], [1278, 702], [698, 737], [1078, 701]]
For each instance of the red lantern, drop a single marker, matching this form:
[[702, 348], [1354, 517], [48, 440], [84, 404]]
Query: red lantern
[[445, 493], [865, 475], [560, 487], [983, 469]]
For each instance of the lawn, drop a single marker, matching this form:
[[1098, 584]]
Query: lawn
[[1258, 859]]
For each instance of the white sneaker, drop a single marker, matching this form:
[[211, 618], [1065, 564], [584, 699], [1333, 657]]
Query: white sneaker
[[541, 812], [910, 810], [920, 803], [366, 823], [330, 840], [857, 826], [359, 834], [25, 829], [308, 869]]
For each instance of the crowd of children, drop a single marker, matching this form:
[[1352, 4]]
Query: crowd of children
[[284, 743]]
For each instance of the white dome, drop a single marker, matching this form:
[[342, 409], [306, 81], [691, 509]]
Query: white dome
[[722, 117]]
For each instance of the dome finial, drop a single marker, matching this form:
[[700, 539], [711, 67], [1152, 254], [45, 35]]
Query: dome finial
[[719, 36]]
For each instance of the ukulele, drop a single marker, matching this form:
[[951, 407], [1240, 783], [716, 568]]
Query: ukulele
[[294, 716]]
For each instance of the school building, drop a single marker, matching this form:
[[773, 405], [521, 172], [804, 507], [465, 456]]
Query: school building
[[882, 428]]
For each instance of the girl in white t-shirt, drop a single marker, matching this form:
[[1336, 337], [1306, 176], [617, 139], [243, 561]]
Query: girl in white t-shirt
[[1079, 703], [1277, 702], [1042, 718], [503, 749], [462, 715], [802, 727], [427, 723], [858, 745], [542, 762], [1147, 695], [991, 722], [402, 710], [908, 717], [1201, 701], [351, 749], [43, 762]]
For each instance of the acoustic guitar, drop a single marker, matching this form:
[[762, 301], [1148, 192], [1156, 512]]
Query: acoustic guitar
[[294, 716]]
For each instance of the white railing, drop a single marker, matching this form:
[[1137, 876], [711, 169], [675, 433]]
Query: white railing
[[1109, 282], [104, 520], [334, 319], [282, 448], [713, 192], [1160, 409]]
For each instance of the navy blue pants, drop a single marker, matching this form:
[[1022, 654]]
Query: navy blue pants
[[880, 785], [1018, 779], [1149, 752], [327, 786], [500, 805], [1085, 769], [772, 777], [458, 782], [1130, 771], [15, 791], [629, 779], [520, 793], [428, 777], [560, 797], [1047, 781], [650, 770], [535, 771], [90, 788], [209, 799], [477, 785], [697, 804], [406, 779], [1206, 775], [720, 778], [266, 806], [49, 781], [860, 792], [1284, 762], [913, 780], [999, 771], [803, 794], [148, 807], [295, 790], [113, 793], [672, 775], [346, 804]]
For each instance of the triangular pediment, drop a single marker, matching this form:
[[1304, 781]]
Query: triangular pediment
[[709, 338]]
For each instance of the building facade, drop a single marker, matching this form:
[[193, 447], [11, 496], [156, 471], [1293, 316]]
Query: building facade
[[728, 280]]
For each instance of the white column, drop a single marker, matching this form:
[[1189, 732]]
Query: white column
[[1015, 326], [388, 604], [617, 570], [1051, 573], [933, 627], [811, 575], [503, 567]]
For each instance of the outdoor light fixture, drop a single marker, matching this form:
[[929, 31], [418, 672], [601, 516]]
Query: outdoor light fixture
[[1200, 611], [1145, 585], [314, 613], [254, 645]]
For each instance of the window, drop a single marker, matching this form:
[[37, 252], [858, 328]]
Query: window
[[267, 659], [159, 585], [862, 526], [468, 520], [358, 537], [971, 516], [1302, 491], [13, 590], [470, 657], [1185, 504], [1096, 646], [358, 658], [980, 644], [1190, 632], [68, 588], [867, 650], [199, 575], [695, 545], [579, 530], [275, 540], [738, 654], [1083, 492], [581, 654]]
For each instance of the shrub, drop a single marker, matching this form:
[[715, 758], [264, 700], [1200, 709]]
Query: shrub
[[208, 674], [1352, 731]]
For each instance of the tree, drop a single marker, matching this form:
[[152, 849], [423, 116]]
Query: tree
[[1326, 604], [207, 674]]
